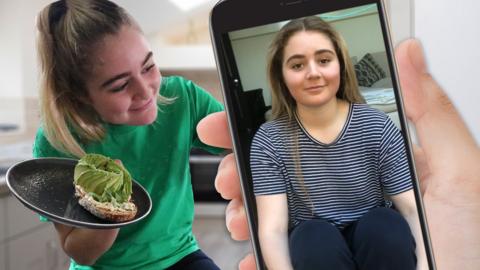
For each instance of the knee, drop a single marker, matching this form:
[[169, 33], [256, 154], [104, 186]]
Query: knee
[[315, 234], [384, 230], [316, 244]]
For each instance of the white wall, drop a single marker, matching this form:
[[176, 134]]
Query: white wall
[[18, 64], [10, 51], [253, 76], [400, 16], [358, 40], [450, 34]]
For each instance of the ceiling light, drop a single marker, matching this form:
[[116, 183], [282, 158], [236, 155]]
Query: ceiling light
[[186, 5]]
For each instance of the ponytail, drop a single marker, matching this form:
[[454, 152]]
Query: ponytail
[[67, 30]]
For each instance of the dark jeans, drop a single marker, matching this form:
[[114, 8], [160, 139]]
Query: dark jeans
[[380, 240], [195, 261]]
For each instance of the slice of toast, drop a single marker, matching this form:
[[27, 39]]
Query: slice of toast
[[106, 210]]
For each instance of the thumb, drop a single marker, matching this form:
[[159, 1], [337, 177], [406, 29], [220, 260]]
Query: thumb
[[412, 71], [441, 132], [213, 130]]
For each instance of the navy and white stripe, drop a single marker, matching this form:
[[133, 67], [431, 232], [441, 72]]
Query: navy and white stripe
[[343, 179]]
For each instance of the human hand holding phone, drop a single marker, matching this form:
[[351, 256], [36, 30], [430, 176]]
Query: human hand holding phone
[[213, 130], [446, 160], [319, 136]]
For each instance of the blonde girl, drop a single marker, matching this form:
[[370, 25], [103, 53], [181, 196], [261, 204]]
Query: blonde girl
[[101, 92]]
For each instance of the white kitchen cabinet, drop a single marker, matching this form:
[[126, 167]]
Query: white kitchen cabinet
[[3, 261], [25, 242], [28, 252], [186, 57], [38, 249], [18, 218], [205, 78], [3, 215], [3, 229]]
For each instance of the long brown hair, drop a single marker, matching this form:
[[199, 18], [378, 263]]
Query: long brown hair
[[67, 32], [282, 101]]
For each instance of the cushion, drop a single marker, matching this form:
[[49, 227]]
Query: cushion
[[382, 61], [383, 83], [368, 71]]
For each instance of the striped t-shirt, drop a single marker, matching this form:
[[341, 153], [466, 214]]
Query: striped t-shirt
[[344, 179]]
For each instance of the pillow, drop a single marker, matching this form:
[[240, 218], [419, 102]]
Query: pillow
[[383, 83], [368, 71]]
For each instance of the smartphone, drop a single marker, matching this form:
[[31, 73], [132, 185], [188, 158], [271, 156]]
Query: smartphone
[[319, 131]]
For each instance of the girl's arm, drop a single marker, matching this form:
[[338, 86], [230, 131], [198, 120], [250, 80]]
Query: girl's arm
[[273, 230], [85, 246], [405, 203]]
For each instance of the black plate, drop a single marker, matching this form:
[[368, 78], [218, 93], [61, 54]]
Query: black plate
[[45, 185]]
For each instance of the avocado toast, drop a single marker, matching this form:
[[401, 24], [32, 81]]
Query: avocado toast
[[104, 188]]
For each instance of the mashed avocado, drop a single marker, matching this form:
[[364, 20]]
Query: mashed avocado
[[103, 178]]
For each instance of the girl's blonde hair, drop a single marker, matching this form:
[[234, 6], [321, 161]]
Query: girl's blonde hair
[[282, 101], [67, 32]]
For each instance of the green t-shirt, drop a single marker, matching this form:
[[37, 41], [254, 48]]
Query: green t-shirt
[[157, 156]]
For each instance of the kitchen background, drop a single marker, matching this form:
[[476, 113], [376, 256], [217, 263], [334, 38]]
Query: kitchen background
[[178, 33]]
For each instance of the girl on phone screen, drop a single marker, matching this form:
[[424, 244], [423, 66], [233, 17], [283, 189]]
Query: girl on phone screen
[[323, 167]]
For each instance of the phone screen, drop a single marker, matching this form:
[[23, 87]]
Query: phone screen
[[320, 135]]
